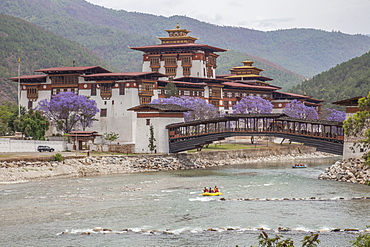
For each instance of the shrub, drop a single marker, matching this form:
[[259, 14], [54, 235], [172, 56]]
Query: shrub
[[58, 157]]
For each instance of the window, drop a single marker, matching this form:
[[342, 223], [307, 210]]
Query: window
[[30, 103], [121, 89], [209, 72], [58, 90], [147, 121], [145, 100], [186, 60], [154, 61], [32, 93], [93, 90], [171, 71], [226, 104], [170, 61], [106, 91], [103, 112], [64, 79], [186, 71]]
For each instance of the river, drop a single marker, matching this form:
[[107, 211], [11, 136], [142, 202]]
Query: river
[[165, 208]]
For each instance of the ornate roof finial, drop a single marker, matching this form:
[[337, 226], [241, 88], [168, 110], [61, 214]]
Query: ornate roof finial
[[178, 26]]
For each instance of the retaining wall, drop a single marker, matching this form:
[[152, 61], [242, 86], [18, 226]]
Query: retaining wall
[[248, 153], [8, 145]]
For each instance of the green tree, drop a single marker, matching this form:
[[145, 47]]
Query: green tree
[[170, 90], [363, 240], [111, 136], [311, 241], [8, 112], [32, 124], [152, 139], [358, 125], [4, 120], [277, 241]]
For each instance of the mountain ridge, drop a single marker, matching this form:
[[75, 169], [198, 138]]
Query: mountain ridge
[[303, 51]]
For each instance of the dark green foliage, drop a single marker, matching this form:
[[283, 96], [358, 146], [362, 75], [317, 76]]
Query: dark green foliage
[[108, 32], [363, 240], [152, 139], [37, 49], [170, 90], [58, 157], [111, 136], [8, 112], [358, 125], [311, 241], [344, 81], [32, 124], [277, 241]]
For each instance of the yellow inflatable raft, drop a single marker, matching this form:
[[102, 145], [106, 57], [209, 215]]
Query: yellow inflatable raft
[[211, 194]]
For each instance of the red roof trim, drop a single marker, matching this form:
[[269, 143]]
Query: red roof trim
[[235, 84], [191, 45], [28, 77], [186, 83], [82, 68], [128, 74]]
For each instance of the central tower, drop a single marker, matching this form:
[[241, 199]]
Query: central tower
[[179, 56]]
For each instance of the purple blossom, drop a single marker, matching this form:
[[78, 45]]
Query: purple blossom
[[68, 110], [335, 115], [200, 108], [297, 109], [253, 104]]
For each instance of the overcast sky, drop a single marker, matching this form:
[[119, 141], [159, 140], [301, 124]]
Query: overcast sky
[[347, 16]]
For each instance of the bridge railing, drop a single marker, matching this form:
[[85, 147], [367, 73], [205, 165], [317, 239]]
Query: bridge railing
[[258, 124]]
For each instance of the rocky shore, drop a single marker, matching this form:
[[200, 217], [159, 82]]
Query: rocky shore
[[24, 171], [351, 171]]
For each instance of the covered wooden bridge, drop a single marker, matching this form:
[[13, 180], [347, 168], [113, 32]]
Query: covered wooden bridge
[[326, 136]]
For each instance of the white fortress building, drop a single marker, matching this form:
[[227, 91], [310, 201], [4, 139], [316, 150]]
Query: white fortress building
[[122, 98]]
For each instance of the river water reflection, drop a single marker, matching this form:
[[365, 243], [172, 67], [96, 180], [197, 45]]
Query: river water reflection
[[57, 212]]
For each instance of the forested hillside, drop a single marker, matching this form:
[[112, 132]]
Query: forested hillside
[[37, 49], [346, 80], [108, 33], [111, 43]]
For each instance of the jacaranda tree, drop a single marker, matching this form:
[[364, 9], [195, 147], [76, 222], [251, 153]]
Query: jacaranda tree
[[69, 111], [335, 115], [296, 109], [200, 108], [253, 104]]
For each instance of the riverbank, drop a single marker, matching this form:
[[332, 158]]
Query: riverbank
[[350, 171], [18, 171]]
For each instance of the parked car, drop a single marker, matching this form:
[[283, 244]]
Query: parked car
[[45, 148]]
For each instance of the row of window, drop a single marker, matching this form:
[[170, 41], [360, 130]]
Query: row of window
[[192, 93], [170, 61], [172, 71], [239, 94], [65, 79]]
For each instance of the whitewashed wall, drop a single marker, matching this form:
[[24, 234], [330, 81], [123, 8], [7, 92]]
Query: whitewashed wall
[[12, 146]]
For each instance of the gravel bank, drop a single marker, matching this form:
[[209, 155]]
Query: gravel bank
[[350, 171], [24, 171]]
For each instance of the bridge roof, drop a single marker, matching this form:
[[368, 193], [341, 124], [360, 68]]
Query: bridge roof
[[276, 116], [227, 118], [323, 122]]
